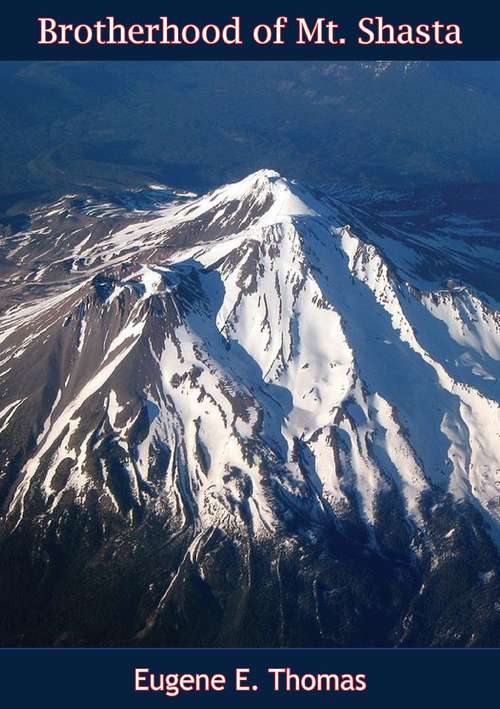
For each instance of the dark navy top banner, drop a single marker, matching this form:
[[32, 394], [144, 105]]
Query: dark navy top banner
[[271, 30]]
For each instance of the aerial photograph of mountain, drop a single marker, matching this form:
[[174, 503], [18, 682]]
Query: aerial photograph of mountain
[[250, 354]]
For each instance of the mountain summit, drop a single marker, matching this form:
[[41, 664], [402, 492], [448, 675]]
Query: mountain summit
[[246, 417]]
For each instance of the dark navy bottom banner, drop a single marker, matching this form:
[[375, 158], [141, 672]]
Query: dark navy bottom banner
[[238, 677]]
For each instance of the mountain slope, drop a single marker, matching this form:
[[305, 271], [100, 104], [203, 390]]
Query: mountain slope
[[242, 424]]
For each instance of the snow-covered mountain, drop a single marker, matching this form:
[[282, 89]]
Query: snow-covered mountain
[[250, 417]]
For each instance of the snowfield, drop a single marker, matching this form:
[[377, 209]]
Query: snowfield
[[238, 360]]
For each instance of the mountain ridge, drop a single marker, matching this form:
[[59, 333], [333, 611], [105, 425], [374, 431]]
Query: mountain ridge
[[246, 375]]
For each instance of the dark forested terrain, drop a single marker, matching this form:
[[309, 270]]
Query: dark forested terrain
[[70, 125]]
